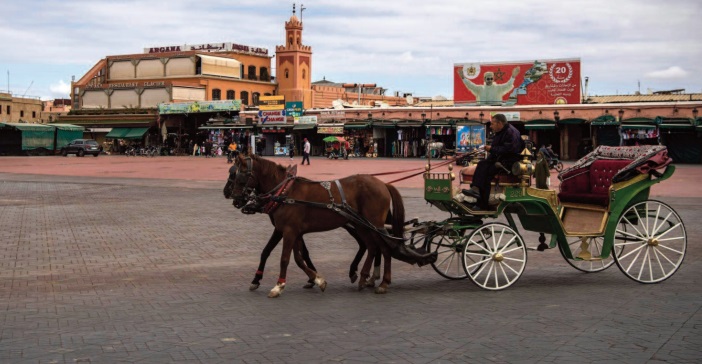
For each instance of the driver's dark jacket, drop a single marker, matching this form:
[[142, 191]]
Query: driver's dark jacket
[[506, 147]]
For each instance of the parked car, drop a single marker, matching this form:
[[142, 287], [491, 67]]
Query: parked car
[[81, 147]]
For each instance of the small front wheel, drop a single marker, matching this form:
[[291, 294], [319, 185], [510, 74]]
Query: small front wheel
[[448, 246], [650, 242], [494, 256]]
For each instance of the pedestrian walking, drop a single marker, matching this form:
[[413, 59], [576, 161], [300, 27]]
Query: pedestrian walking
[[306, 152]]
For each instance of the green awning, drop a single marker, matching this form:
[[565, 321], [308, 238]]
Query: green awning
[[135, 133], [677, 126], [638, 126], [27, 126], [304, 126], [409, 125], [540, 124], [69, 127], [639, 120], [675, 123], [356, 126], [604, 120], [384, 125], [117, 133], [570, 121]]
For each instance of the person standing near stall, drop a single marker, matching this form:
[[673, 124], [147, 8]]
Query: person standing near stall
[[306, 152]]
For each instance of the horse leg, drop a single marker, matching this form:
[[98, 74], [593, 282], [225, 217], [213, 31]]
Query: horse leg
[[353, 269], [289, 240], [376, 269], [272, 243], [308, 262], [383, 287], [365, 271], [313, 277]]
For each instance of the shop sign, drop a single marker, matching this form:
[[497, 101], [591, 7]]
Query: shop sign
[[469, 137], [246, 49], [511, 116], [127, 85], [330, 129], [534, 82], [329, 115], [210, 47], [272, 117], [309, 119], [272, 130], [293, 108], [199, 106], [276, 102]]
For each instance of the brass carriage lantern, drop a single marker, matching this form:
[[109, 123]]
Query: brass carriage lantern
[[524, 169], [451, 174]]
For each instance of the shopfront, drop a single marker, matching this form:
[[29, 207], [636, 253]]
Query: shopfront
[[319, 146], [411, 139], [544, 132], [606, 131], [356, 133], [272, 140], [682, 139], [576, 136], [639, 131], [442, 132]]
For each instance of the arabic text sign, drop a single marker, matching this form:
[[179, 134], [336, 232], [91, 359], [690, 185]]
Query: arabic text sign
[[311, 119], [539, 82], [276, 102]]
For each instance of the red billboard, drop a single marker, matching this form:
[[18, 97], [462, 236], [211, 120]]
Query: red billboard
[[539, 82]]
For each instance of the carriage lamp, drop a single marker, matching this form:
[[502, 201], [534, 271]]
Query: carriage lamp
[[694, 114], [621, 114], [452, 175], [556, 116], [524, 169]]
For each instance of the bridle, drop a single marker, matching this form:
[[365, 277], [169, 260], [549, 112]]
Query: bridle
[[246, 179]]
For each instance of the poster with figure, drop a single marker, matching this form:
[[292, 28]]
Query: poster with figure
[[469, 137], [535, 82]]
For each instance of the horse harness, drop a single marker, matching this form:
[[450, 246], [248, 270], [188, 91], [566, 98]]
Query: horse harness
[[277, 196]]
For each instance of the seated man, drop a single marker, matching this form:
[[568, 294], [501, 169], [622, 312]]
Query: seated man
[[505, 148]]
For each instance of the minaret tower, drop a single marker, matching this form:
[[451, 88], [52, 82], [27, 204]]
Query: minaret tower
[[294, 65]]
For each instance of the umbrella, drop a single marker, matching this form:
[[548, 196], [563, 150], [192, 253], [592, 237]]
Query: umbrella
[[341, 139], [330, 139]]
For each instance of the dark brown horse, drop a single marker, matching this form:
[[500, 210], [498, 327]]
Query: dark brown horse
[[277, 236], [300, 206]]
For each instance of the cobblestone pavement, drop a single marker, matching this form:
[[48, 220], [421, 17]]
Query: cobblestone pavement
[[118, 270]]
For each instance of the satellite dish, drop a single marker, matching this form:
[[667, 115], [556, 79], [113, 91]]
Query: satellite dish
[[410, 100]]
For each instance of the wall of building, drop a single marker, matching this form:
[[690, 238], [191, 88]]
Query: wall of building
[[15, 109]]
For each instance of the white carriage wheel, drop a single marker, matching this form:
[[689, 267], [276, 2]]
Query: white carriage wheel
[[650, 242], [449, 250], [584, 246], [499, 254]]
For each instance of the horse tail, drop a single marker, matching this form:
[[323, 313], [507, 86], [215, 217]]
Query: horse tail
[[398, 211]]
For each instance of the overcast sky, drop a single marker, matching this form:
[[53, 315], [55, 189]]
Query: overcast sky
[[407, 46]]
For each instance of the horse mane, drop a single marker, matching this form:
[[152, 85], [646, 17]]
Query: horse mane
[[270, 168]]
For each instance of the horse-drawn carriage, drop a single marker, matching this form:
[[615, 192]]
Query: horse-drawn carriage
[[602, 215]]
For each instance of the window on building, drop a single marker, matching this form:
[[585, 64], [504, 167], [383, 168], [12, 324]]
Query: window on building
[[230, 94], [252, 72], [8, 109], [290, 41], [34, 114], [263, 71], [21, 113], [254, 97], [304, 74], [216, 94], [241, 71], [244, 97], [287, 74]]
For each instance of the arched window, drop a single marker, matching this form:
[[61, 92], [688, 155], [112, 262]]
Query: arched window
[[244, 97], [254, 97], [252, 72], [304, 74], [216, 94], [241, 72], [263, 71], [230, 94], [290, 41], [286, 73]]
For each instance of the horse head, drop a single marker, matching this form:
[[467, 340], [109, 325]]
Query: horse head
[[241, 182]]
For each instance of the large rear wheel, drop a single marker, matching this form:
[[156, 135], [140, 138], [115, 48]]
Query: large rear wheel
[[650, 242], [499, 254], [449, 248], [586, 254]]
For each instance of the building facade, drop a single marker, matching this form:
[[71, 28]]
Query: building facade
[[14, 109]]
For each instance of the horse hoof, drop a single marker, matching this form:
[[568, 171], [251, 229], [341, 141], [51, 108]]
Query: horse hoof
[[361, 287], [321, 283], [353, 277], [276, 291], [253, 286], [308, 285], [370, 283], [381, 290]]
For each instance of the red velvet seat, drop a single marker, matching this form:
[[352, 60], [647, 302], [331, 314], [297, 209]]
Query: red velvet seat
[[590, 185]]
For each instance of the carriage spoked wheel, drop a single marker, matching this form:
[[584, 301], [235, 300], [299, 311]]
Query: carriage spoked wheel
[[649, 242], [494, 256], [586, 251], [449, 248]]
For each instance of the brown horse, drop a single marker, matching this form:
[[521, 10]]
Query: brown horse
[[299, 206]]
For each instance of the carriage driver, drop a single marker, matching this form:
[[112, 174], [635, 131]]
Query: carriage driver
[[506, 147]]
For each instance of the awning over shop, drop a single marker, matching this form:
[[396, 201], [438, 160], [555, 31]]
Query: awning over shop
[[638, 126], [675, 123], [384, 124], [540, 124], [304, 126], [571, 121], [117, 133], [135, 133], [68, 127], [604, 120], [220, 66], [356, 125], [409, 124]]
